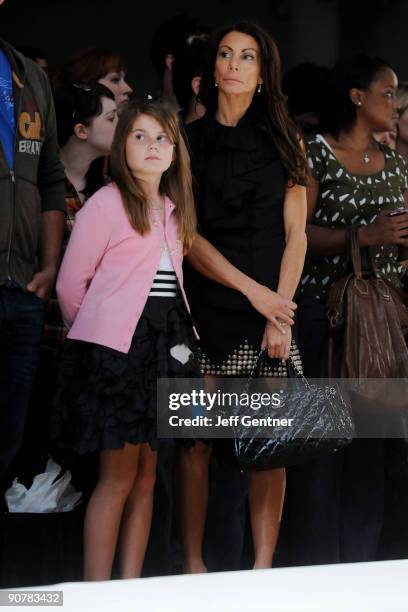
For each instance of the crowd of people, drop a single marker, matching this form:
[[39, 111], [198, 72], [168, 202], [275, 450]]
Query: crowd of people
[[252, 181]]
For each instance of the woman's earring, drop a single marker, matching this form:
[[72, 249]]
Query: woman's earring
[[215, 84], [259, 88], [359, 103]]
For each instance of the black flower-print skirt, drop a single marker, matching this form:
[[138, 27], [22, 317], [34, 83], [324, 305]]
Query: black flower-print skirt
[[105, 398]]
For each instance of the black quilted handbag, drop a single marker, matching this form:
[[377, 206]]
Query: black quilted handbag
[[322, 424]]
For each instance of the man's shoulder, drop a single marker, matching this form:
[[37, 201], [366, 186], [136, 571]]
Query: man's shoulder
[[25, 69], [36, 75], [17, 60]]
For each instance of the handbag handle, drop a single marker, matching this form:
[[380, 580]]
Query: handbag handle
[[261, 355], [353, 250]]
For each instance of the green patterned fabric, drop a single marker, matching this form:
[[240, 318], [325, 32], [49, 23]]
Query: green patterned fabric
[[351, 199]]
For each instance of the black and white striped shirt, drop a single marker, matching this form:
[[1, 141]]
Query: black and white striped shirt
[[165, 281]]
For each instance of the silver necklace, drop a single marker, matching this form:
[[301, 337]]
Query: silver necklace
[[365, 156]]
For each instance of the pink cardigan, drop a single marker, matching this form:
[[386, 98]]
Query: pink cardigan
[[108, 269]]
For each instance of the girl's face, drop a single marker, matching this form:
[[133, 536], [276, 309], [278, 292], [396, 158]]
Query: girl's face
[[379, 105], [149, 150], [238, 64], [115, 81], [99, 134], [102, 129]]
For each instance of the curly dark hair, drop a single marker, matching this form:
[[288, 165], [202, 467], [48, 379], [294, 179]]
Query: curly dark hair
[[339, 113], [269, 106]]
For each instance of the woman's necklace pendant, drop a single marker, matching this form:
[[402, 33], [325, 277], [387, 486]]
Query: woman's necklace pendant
[[366, 159]]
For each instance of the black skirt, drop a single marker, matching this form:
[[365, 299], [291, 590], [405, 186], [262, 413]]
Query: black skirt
[[105, 398]]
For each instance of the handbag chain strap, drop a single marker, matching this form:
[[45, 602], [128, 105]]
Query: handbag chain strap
[[258, 358]]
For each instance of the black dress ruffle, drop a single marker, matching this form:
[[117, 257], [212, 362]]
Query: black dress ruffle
[[105, 398]]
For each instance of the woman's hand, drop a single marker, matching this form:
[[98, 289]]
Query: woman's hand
[[272, 306], [209, 262], [385, 230], [278, 344]]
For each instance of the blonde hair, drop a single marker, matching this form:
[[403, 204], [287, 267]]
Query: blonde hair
[[176, 182]]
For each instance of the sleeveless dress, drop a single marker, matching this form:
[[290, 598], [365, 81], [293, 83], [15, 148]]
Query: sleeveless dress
[[240, 186]]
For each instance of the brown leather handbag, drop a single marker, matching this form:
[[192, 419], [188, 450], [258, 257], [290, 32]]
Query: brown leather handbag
[[368, 324]]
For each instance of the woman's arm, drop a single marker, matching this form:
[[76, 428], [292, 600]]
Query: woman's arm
[[327, 241], [294, 215], [294, 218], [86, 246], [209, 262]]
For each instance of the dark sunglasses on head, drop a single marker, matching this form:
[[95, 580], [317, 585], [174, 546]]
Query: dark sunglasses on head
[[81, 88]]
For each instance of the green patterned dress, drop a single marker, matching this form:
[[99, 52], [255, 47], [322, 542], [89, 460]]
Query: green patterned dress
[[347, 199]]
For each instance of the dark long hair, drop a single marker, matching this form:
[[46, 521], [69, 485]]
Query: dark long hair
[[78, 103], [339, 113], [176, 182], [269, 105]]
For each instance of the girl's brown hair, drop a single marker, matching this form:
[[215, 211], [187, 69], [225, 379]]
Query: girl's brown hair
[[176, 182]]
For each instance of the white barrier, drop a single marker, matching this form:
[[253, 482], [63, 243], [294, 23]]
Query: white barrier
[[360, 587]]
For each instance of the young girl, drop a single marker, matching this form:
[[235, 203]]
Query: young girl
[[121, 293]]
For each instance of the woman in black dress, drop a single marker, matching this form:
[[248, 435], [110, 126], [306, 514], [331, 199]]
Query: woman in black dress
[[250, 170]]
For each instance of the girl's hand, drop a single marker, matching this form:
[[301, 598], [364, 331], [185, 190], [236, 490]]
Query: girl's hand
[[278, 344], [272, 306]]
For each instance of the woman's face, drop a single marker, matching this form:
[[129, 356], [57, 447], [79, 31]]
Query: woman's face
[[379, 105], [238, 64], [102, 128], [115, 81], [149, 150]]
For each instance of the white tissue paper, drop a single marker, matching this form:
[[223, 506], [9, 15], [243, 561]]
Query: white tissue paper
[[48, 493]]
